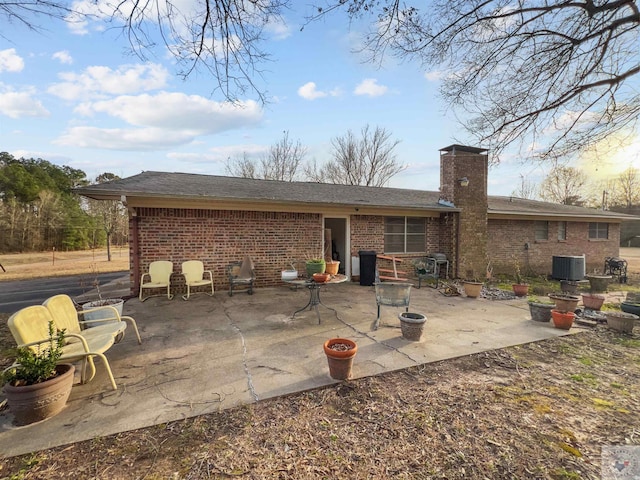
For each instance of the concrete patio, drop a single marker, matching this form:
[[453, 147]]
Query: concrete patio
[[211, 354]]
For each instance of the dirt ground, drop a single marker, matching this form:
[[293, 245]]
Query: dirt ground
[[541, 411]]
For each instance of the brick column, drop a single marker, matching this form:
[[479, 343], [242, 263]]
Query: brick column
[[457, 163]]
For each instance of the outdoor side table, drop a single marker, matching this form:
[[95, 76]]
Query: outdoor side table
[[314, 293]]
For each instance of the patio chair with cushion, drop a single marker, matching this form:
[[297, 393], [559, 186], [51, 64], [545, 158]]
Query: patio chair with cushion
[[242, 273], [66, 316], [159, 277], [195, 276], [30, 328]]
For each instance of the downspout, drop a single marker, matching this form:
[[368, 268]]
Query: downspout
[[135, 253], [457, 243]]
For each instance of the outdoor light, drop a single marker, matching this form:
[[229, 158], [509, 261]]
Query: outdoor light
[[463, 182]]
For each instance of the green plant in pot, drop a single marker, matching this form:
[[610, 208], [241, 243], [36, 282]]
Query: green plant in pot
[[520, 287], [315, 265], [37, 386], [103, 308]]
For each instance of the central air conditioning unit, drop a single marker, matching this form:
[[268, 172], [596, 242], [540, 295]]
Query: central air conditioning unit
[[565, 267]]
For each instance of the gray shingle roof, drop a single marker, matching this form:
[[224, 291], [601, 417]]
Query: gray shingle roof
[[192, 186]]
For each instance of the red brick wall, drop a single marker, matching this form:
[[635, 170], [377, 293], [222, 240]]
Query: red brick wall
[[508, 237], [472, 200], [220, 237]]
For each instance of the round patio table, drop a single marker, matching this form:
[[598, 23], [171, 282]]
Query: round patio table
[[314, 293]]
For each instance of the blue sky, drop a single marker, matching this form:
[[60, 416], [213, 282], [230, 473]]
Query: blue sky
[[77, 98]]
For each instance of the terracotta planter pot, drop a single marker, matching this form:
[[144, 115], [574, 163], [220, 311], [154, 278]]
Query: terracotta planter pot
[[565, 303], [592, 301], [562, 320], [621, 321], [520, 289], [340, 361], [33, 403], [332, 267], [541, 312], [472, 289], [412, 325]]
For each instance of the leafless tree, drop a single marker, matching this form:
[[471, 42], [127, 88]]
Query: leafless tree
[[281, 162], [564, 185], [526, 189], [369, 160], [552, 73], [627, 188], [111, 214], [242, 167]]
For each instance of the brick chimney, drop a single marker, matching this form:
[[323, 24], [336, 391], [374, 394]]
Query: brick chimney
[[463, 181]]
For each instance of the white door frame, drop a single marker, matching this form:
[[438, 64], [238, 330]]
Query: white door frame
[[347, 241]]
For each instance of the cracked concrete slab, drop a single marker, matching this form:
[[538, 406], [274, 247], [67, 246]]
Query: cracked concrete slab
[[210, 354]]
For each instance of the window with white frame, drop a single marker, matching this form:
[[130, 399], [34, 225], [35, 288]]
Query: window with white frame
[[598, 231], [405, 234], [541, 228], [562, 231]]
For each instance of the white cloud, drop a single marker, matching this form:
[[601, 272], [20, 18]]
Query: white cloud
[[101, 80], [166, 119], [278, 29], [220, 154], [310, 92], [369, 86], [20, 104], [63, 57], [10, 61], [435, 75]]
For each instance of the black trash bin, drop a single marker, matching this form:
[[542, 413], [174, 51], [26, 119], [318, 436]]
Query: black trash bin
[[367, 267]]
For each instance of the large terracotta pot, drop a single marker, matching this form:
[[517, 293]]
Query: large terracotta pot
[[562, 320], [33, 403], [472, 289], [412, 325], [340, 361], [565, 302], [592, 301]]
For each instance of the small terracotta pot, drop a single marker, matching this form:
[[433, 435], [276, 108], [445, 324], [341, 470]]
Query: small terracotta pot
[[592, 301], [520, 289], [321, 277], [332, 267], [562, 320], [472, 289], [340, 361]]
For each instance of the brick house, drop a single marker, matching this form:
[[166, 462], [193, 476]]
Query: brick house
[[178, 217]]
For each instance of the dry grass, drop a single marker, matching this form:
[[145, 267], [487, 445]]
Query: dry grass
[[21, 266], [540, 411]]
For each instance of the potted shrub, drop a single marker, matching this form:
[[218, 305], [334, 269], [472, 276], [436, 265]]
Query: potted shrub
[[340, 353], [99, 309], [315, 265], [36, 386], [520, 288], [471, 283], [332, 267]]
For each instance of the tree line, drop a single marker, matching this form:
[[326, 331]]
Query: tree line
[[572, 186], [39, 210]]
